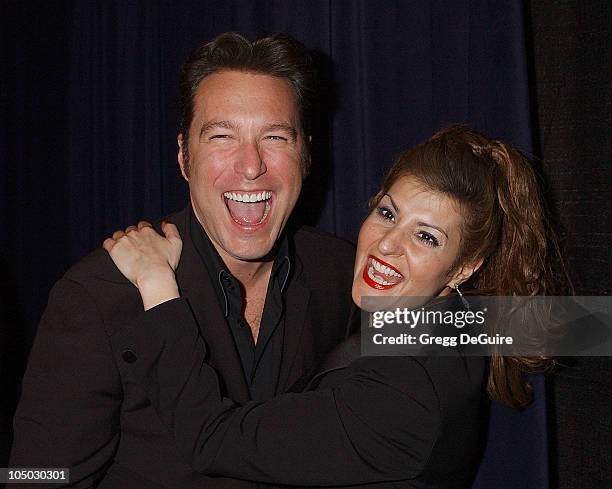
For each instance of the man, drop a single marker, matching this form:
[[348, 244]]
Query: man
[[270, 300]]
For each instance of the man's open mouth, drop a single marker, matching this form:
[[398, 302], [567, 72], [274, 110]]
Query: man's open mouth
[[380, 275], [248, 208]]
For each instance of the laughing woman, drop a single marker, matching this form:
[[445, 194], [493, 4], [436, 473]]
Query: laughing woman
[[459, 210]]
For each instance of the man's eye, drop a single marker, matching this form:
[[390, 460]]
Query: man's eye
[[386, 213], [274, 137], [220, 136], [428, 239]]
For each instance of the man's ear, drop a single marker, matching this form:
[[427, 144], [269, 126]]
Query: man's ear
[[183, 158], [464, 273]]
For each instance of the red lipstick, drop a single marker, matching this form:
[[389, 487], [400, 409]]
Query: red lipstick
[[380, 275]]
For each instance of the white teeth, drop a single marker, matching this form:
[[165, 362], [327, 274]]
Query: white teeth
[[385, 269], [265, 195], [374, 277], [267, 209]]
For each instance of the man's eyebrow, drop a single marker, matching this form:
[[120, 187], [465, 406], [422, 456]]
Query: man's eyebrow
[[207, 126], [420, 223], [281, 126]]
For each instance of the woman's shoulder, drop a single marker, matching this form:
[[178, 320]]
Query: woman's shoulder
[[449, 379], [440, 372]]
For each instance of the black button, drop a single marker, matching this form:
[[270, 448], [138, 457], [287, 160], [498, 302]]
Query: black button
[[241, 323], [226, 279], [129, 356]]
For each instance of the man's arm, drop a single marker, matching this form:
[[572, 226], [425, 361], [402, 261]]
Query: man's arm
[[68, 415], [379, 424]]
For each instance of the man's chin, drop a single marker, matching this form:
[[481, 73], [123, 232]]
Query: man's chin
[[251, 250]]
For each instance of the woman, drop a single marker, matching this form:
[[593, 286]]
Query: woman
[[459, 210]]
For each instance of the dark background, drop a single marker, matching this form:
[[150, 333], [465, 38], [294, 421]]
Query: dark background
[[88, 145]]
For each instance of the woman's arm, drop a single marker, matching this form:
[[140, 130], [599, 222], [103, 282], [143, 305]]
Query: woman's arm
[[378, 424]]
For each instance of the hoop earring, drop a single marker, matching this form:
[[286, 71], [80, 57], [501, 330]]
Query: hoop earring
[[464, 301]]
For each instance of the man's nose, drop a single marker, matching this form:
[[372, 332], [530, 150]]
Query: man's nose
[[250, 162], [392, 242]]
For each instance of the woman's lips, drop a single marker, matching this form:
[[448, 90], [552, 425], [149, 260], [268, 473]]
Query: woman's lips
[[380, 275]]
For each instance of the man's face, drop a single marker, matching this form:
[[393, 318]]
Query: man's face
[[244, 172]]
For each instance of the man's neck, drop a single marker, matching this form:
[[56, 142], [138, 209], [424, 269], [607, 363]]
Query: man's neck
[[254, 278], [248, 273]]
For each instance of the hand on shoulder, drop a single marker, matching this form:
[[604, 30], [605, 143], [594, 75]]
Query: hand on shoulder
[[148, 260]]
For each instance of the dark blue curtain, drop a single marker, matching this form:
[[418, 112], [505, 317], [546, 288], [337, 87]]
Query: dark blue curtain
[[89, 136], [397, 71]]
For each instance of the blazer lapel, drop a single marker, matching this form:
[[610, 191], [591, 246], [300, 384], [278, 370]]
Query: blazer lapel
[[194, 284]]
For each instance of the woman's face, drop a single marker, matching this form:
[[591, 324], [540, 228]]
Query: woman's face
[[408, 244]]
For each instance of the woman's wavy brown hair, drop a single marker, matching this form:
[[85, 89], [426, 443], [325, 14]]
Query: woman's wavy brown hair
[[505, 223]]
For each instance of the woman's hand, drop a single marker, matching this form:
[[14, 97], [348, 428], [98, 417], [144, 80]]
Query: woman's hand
[[148, 260]]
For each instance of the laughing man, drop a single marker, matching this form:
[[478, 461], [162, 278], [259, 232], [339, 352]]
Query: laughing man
[[270, 298]]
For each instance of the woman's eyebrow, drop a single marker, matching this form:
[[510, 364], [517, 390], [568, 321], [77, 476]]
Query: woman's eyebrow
[[426, 224], [420, 223], [395, 207]]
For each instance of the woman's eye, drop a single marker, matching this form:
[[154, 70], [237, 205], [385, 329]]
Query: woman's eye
[[386, 213], [428, 239]]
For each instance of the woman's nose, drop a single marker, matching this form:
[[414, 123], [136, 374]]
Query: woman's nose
[[392, 242]]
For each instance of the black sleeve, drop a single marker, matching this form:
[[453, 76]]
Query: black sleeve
[[68, 414], [379, 424]]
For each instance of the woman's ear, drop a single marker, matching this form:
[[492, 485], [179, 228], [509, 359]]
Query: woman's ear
[[464, 273]]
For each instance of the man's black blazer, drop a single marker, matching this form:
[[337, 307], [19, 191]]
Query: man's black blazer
[[77, 410]]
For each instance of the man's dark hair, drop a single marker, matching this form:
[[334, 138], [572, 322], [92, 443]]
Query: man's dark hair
[[280, 56]]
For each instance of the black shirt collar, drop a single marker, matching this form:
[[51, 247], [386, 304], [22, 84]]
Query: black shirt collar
[[220, 276]]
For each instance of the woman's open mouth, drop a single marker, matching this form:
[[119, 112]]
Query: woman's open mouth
[[248, 209], [380, 275]]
